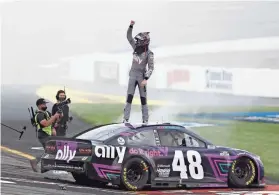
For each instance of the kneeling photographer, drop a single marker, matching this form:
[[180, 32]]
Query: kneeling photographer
[[61, 107]]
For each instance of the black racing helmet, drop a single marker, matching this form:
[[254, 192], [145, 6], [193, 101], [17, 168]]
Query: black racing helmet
[[142, 39]]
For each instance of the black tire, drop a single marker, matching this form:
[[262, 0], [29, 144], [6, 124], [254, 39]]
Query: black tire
[[134, 174], [243, 172]]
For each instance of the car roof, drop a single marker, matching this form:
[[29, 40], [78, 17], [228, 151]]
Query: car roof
[[140, 126], [136, 126]]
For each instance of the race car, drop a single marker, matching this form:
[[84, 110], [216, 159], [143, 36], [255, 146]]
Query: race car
[[166, 155]]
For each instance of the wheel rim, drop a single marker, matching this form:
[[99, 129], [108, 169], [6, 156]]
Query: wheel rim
[[134, 173], [242, 170]]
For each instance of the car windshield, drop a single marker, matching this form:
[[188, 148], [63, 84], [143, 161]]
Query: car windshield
[[104, 132]]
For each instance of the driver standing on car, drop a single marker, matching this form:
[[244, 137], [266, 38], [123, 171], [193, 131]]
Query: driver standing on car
[[44, 121], [138, 74]]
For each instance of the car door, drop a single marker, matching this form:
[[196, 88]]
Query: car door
[[185, 160], [144, 143]]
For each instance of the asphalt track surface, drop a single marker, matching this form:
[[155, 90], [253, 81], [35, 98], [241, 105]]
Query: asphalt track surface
[[17, 176]]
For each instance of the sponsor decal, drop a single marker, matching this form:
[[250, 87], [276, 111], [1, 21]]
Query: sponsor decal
[[137, 58], [65, 150], [194, 169], [84, 158], [163, 170], [121, 140], [253, 176], [218, 79], [233, 166], [85, 151], [144, 166], [110, 152], [224, 153], [159, 151], [177, 76]]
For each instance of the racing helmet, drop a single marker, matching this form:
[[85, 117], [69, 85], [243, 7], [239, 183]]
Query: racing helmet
[[142, 39]]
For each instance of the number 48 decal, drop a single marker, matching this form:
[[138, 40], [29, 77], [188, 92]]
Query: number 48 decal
[[193, 165]]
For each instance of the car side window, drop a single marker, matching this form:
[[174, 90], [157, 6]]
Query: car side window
[[145, 137], [173, 138], [166, 138], [189, 141]]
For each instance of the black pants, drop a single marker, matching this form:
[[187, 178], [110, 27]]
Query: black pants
[[61, 130], [43, 138]]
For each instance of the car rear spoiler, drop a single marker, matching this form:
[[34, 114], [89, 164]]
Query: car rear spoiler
[[81, 146], [68, 139]]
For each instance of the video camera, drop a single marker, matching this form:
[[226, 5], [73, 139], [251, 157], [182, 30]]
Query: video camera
[[63, 103], [59, 106]]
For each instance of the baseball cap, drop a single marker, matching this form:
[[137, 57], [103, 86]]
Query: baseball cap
[[41, 101]]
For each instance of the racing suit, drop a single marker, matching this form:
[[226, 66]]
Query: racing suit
[[137, 74]]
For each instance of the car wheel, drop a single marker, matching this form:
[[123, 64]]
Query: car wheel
[[134, 174], [242, 173]]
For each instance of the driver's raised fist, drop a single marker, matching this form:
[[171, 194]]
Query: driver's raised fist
[[132, 23]]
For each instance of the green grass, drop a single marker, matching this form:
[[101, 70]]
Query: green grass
[[259, 138], [97, 113]]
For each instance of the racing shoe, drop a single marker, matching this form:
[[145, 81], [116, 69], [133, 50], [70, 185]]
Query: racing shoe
[[33, 164], [144, 122], [125, 121]]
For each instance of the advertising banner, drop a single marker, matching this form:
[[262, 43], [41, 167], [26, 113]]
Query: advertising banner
[[177, 77], [218, 80]]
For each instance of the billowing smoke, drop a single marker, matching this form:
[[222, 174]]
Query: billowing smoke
[[42, 46]]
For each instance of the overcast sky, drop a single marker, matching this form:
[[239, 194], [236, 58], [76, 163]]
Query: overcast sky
[[41, 32]]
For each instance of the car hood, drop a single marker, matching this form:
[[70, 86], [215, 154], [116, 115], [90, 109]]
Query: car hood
[[237, 151]]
